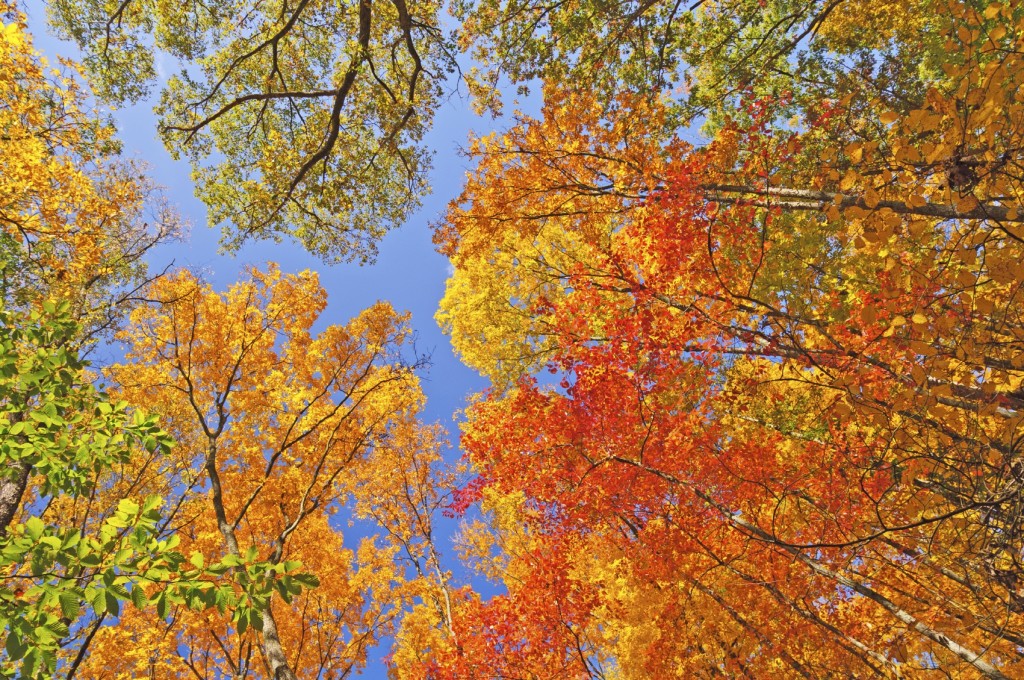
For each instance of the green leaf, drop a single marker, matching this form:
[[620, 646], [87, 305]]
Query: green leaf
[[70, 605], [231, 561], [161, 605], [113, 606], [34, 528], [307, 580], [119, 591], [282, 590], [220, 601], [128, 507], [217, 569], [43, 635], [51, 542], [255, 619], [15, 648], [98, 601], [152, 503], [139, 598], [117, 522], [28, 667], [89, 559], [58, 628], [242, 623]]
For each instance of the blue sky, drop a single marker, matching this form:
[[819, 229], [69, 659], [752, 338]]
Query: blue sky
[[408, 272]]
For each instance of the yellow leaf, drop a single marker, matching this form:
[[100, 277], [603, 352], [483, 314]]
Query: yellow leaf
[[966, 204], [871, 198], [12, 35], [849, 180]]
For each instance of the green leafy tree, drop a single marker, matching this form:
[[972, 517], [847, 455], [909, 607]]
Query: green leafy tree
[[61, 580], [300, 119], [55, 424]]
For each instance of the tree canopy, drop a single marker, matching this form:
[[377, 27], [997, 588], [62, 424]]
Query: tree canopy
[[781, 436], [300, 119], [746, 289]]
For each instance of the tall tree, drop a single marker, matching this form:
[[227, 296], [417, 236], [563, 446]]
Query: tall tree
[[76, 218], [54, 423], [703, 55], [786, 383], [282, 432], [301, 119]]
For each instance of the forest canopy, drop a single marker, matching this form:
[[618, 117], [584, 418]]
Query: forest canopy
[[746, 289]]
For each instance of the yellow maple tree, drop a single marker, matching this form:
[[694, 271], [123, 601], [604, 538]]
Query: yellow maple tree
[[281, 433], [76, 218]]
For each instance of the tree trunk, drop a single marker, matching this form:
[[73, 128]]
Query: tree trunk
[[271, 641], [807, 199], [13, 485]]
